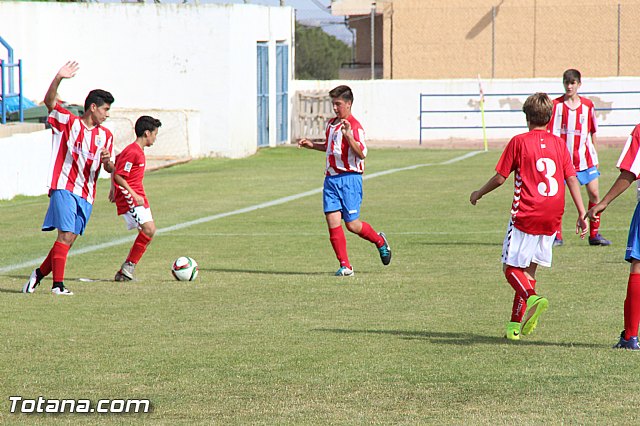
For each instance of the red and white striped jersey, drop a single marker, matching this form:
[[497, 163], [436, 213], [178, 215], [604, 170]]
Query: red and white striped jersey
[[75, 156], [340, 157], [575, 126], [629, 158], [541, 164]]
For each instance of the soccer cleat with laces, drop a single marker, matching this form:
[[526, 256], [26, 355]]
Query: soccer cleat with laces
[[344, 272], [33, 282], [558, 242], [631, 344], [513, 331], [61, 291], [536, 305], [385, 250], [599, 240], [126, 272]]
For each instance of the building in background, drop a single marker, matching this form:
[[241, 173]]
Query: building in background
[[433, 39]]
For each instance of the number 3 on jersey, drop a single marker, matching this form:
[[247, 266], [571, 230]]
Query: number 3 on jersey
[[548, 167]]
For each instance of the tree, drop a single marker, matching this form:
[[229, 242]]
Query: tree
[[318, 54]]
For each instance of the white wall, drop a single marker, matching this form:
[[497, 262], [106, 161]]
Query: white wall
[[198, 57], [389, 110]]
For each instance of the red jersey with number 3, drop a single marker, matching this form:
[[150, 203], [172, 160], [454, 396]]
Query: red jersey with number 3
[[340, 157], [541, 163], [75, 158], [130, 164], [629, 158]]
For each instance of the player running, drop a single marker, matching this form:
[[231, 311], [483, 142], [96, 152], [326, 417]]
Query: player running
[[541, 163], [81, 145], [129, 196], [574, 120], [342, 194]]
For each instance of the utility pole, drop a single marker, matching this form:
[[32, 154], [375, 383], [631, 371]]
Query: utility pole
[[373, 45]]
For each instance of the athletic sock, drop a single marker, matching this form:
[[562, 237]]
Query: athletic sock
[[520, 305], [59, 260], [45, 267], [369, 234], [559, 234], [138, 248], [594, 225], [339, 244], [632, 307], [518, 280], [58, 284]]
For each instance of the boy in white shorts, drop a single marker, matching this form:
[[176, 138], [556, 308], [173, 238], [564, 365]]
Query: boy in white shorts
[[127, 192], [541, 163]]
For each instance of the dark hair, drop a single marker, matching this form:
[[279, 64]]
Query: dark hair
[[571, 75], [146, 123], [98, 97], [538, 108], [342, 92]]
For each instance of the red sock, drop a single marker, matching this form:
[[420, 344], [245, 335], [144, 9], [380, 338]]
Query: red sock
[[520, 305], [138, 248], [339, 243], [58, 260], [45, 267], [594, 225], [369, 234], [632, 307], [559, 234], [519, 282]]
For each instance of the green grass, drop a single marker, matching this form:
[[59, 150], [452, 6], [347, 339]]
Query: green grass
[[267, 335]]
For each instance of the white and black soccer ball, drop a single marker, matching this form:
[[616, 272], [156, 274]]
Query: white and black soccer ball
[[185, 269]]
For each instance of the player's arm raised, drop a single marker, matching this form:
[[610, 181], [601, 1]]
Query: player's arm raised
[[68, 70], [496, 181], [347, 132]]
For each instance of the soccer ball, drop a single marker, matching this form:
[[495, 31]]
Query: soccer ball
[[184, 269]]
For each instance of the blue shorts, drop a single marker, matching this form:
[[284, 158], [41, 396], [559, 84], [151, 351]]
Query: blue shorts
[[67, 212], [586, 176], [343, 193], [633, 241]]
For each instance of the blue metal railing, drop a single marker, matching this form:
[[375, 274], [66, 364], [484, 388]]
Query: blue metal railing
[[472, 110], [7, 69]]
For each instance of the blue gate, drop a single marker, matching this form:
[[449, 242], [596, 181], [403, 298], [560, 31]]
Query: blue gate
[[263, 94], [282, 92]]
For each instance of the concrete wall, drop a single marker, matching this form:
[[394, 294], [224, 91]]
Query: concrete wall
[[389, 110], [193, 57]]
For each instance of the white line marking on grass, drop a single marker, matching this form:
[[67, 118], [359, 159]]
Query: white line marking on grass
[[36, 262]]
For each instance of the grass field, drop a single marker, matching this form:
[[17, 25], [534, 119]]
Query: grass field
[[267, 335]]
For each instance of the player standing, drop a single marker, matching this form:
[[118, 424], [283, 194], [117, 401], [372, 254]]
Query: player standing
[[80, 146], [342, 194], [574, 120], [541, 164], [629, 165], [129, 196]]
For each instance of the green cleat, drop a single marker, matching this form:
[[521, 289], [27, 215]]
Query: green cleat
[[513, 331], [536, 305]]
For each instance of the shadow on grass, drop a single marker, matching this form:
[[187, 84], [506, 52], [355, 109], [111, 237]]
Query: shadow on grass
[[456, 339], [262, 271]]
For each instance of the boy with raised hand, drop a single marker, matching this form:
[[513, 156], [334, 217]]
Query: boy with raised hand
[[80, 147], [574, 120], [629, 165], [342, 194], [129, 195], [540, 163]]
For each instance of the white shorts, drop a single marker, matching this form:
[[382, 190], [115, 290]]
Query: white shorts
[[136, 217], [519, 249]]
